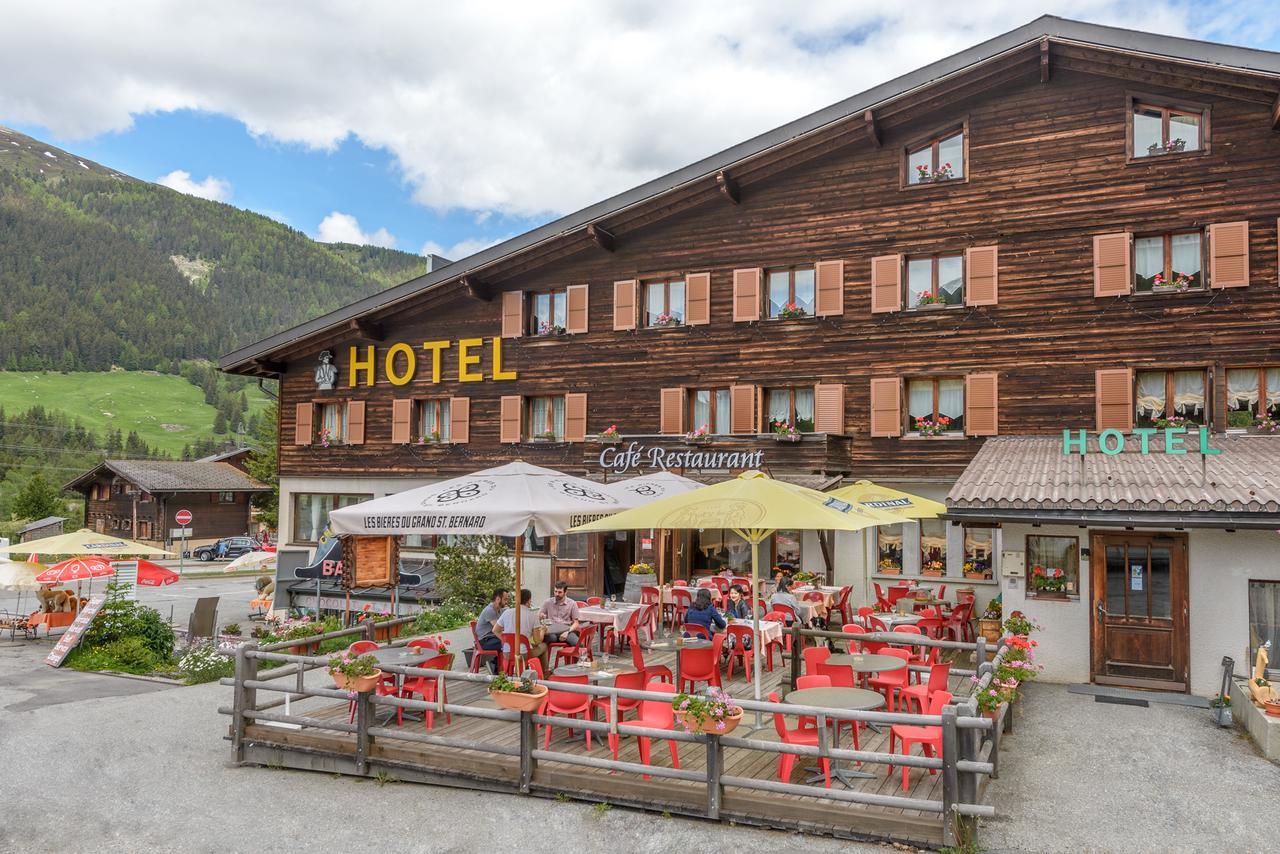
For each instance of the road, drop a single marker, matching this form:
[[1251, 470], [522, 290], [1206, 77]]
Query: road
[[175, 601]]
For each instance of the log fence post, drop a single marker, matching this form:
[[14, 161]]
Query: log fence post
[[244, 698], [797, 647], [364, 715], [950, 781], [715, 767], [528, 741]]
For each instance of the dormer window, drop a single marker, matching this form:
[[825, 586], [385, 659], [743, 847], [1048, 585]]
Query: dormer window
[[1158, 128], [938, 159]]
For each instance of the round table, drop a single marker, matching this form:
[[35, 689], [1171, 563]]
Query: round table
[[592, 674], [402, 656], [858, 699], [866, 662]]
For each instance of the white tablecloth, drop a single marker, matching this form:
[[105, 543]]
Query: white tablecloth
[[616, 617]]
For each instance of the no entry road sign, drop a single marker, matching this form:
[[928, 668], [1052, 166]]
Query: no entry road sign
[[183, 518]]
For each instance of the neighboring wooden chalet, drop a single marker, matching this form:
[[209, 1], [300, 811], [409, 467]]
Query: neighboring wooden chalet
[[138, 498], [1066, 227], [49, 526], [238, 457]]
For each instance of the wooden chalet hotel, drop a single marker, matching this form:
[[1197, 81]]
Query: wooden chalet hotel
[[1066, 228]]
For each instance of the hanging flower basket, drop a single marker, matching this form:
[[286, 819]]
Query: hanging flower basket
[[704, 726], [359, 684]]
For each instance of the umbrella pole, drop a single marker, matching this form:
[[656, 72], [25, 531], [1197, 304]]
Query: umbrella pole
[[516, 640], [755, 537]]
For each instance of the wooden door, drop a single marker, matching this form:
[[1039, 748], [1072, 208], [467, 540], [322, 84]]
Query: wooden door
[[1140, 610]]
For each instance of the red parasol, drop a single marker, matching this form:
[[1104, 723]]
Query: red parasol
[[154, 575], [75, 569]]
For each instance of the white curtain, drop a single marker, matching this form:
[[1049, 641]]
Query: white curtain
[[951, 398], [779, 406], [721, 427], [675, 292], [1273, 388], [804, 406], [560, 300], [1151, 393], [701, 410], [655, 300], [557, 416], [1242, 387], [538, 415], [1188, 391], [920, 398]]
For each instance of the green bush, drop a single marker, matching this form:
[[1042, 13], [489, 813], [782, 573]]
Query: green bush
[[202, 663], [124, 655], [1239, 419], [469, 571], [443, 618], [122, 618]]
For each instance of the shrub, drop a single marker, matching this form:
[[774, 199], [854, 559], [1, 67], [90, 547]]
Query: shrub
[[444, 617], [122, 618], [125, 655], [469, 571], [231, 629], [201, 663]]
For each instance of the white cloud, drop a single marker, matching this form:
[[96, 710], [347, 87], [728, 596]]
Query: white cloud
[[462, 248], [523, 109], [339, 227], [214, 189]]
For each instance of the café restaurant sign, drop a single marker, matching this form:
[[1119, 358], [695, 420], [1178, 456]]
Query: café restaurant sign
[[1177, 440], [635, 455], [399, 363]]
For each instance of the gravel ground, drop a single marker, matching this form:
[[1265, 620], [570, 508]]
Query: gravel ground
[[1080, 776]]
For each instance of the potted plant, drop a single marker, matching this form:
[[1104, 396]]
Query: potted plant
[[1171, 421], [358, 673], [976, 571], [380, 633], [231, 630], [432, 438], [989, 622], [325, 437], [544, 437], [638, 575], [930, 299], [610, 435], [927, 174], [665, 320], [1171, 147], [1020, 625], [522, 695], [713, 712], [929, 427], [1177, 282], [701, 436], [998, 693], [792, 311], [1266, 425], [933, 568], [785, 432], [1048, 582], [546, 328], [888, 566]]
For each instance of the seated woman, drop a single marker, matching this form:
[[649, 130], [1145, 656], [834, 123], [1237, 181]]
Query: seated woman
[[739, 609], [703, 613], [784, 596]]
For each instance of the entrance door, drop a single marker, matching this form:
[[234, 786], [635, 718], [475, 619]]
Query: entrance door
[[1139, 584]]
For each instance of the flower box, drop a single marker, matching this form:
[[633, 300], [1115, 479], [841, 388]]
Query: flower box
[[787, 437], [520, 701], [933, 573], [605, 440], [385, 633], [890, 570], [977, 575], [1049, 594], [706, 726], [359, 684]]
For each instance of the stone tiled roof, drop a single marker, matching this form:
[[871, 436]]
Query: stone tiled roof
[[177, 476], [1033, 473]]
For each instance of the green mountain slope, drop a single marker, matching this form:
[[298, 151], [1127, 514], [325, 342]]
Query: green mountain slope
[[98, 269]]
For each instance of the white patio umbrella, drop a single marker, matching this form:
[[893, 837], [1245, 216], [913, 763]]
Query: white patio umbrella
[[251, 560], [20, 577], [651, 487], [504, 501]]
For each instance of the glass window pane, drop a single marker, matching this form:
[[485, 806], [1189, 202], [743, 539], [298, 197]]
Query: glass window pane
[[701, 410], [1138, 568], [1264, 622], [1151, 397], [675, 298], [778, 410], [787, 546], [722, 412], [1117, 580], [557, 416], [1185, 127], [951, 156], [1052, 554], [1161, 583], [951, 279], [1148, 261], [541, 309], [920, 399], [1188, 395], [538, 416], [977, 550], [804, 410], [918, 160], [919, 280], [559, 308], [1272, 377], [1146, 132], [804, 289], [933, 544], [654, 302], [951, 404], [889, 547], [1243, 395], [779, 291], [1186, 260], [443, 419], [572, 546]]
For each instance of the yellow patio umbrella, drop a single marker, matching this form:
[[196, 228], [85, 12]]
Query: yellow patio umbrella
[[753, 506], [86, 542], [873, 496]]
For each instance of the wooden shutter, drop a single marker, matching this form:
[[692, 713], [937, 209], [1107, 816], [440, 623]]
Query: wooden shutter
[[459, 420], [355, 422], [1112, 265], [509, 419], [624, 305], [512, 314], [829, 296], [981, 264], [886, 284], [401, 421], [1229, 255], [746, 295], [575, 418], [303, 430], [575, 321], [671, 411], [828, 408], [886, 407], [981, 407], [742, 409], [697, 299], [1113, 399]]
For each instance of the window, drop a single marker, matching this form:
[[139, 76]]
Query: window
[[571, 546], [548, 312], [715, 550], [1158, 130], [789, 407], [333, 423], [1168, 262], [430, 541], [1052, 554], [1171, 398], [791, 293], [709, 407], [936, 405], [935, 280], [786, 549], [433, 420], [1252, 393], [664, 303], [1264, 623], [311, 513], [889, 549], [938, 159], [546, 418], [226, 497], [933, 547], [978, 544]]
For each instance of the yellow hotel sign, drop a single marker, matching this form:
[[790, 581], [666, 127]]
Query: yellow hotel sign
[[399, 362]]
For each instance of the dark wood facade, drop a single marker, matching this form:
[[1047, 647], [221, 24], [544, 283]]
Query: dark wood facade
[[115, 505], [1048, 170]]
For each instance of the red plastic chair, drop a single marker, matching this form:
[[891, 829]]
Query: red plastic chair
[[478, 654], [890, 682], [840, 676], [594, 600], [876, 624], [696, 630], [507, 661], [855, 645], [564, 652], [652, 672], [745, 583], [841, 607], [423, 643], [361, 647], [650, 595], [721, 584], [931, 627], [648, 620], [815, 656], [613, 639], [656, 714], [811, 680], [680, 582], [631, 681], [928, 737], [801, 735], [738, 651], [783, 645], [881, 599], [917, 695], [566, 704], [959, 625], [701, 665], [425, 687], [681, 601]]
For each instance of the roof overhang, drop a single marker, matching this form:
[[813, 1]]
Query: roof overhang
[[1115, 518]]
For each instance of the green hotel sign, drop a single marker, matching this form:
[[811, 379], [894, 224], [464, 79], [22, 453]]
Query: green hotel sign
[[1177, 440]]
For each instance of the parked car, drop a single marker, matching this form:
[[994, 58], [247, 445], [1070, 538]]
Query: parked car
[[236, 546]]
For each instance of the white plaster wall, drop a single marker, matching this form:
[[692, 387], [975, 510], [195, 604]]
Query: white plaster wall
[[375, 486]]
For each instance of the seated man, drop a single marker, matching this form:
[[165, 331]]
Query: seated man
[[563, 610], [529, 627], [486, 636]]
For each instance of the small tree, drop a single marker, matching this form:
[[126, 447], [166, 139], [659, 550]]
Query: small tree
[[263, 464], [37, 499], [469, 571]]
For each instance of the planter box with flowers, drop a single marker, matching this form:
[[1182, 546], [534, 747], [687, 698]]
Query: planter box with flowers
[[933, 569], [976, 571], [547, 438], [701, 436], [888, 567], [931, 301], [429, 440], [325, 438], [358, 673], [1177, 283], [1173, 146], [712, 713], [549, 330], [523, 695], [929, 428], [989, 622], [785, 432], [929, 175], [609, 436], [638, 575], [791, 311], [384, 634], [665, 321], [1265, 426], [1048, 582]]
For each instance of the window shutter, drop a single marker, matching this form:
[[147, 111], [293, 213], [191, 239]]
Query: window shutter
[[1113, 399], [509, 419], [829, 296], [671, 411], [624, 305], [886, 407], [302, 427], [401, 421], [575, 321], [355, 422], [575, 418], [886, 284], [697, 299], [742, 409], [746, 295], [512, 314], [1229, 255], [981, 408], [459, 420], [828, 408], [1112, 265], [981, 264]]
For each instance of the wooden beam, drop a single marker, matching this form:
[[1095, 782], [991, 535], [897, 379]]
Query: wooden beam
[[873, 128], [604, 239], [370, 329], [728, 187], [477, 288], [267, 366], [1275, 114], [1044, 61]]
